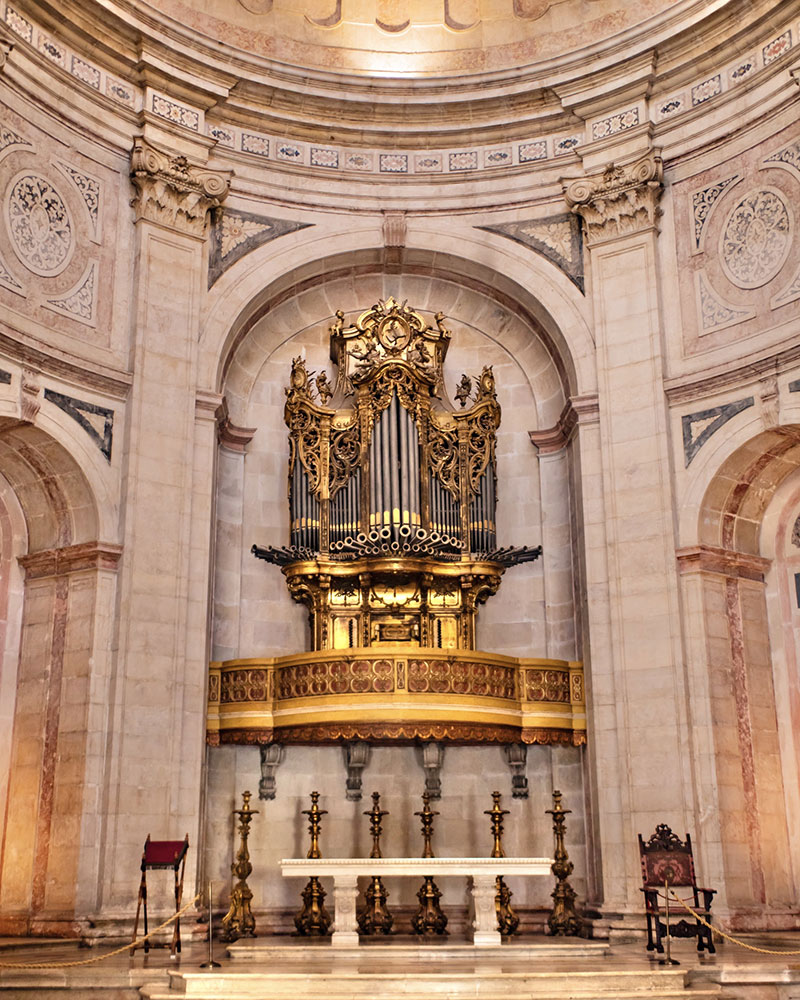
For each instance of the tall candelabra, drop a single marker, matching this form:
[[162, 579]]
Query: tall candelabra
[[507, 919], [313, 919], [429, 919], [375, 918], [239, 921], [563, 919]]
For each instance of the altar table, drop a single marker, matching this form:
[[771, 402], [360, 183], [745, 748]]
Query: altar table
[[346, 871]]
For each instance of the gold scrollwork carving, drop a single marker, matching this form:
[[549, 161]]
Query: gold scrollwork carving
[[481, 444], [443, 456], [345, 453]]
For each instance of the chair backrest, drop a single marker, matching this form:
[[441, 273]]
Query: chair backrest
[[666, 858], [164, 853]]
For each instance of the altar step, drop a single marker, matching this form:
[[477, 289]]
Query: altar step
[[483, 982], [409, 948]]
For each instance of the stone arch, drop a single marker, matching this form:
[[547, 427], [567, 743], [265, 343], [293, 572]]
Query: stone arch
[[62, 570], [742, 488], [253, 324], [513, 276], [726, 581]]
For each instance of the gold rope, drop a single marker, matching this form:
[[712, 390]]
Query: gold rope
[[109, 954], [729, 937]]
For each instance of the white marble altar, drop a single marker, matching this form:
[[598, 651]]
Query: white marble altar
[[482, 872]]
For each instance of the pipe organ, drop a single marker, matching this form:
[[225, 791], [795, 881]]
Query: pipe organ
[[392, 490], [392, 493]]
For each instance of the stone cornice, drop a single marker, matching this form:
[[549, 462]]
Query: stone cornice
[[620, 201], [578, 410], [173, 192], [229, 435], [71, 559], [734, 374], [725, 562]]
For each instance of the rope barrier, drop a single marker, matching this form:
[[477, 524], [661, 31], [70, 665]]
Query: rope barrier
[[109, 954], [729, 937]]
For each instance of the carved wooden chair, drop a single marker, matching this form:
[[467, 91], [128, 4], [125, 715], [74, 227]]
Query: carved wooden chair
[[668, 861]]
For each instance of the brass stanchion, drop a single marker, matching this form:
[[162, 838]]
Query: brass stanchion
[[563, 919], [210, 964], [668, 959], [375, 918], [313, 919], [239, 920], [507, 920], [429, 919]]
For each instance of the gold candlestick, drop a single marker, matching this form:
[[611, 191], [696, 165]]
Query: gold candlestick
[[239, 920], [313, 919], [429, 919], [375, 918], [563, 920], [507, 919]]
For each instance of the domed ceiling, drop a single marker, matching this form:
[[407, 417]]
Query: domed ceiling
[[411, 37]]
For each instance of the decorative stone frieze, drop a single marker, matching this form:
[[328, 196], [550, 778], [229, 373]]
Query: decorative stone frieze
[[172, 192], [620, 201]]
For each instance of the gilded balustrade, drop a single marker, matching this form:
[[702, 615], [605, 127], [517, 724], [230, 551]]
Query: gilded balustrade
[[396, 694]]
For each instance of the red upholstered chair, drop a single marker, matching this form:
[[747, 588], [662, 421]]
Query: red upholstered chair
[[162, 854], [667, 860]]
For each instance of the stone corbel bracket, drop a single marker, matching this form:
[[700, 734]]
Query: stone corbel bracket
[[172, 192], [356, 758], [271, 758], [517, 759], [432, 760], [620, 201]]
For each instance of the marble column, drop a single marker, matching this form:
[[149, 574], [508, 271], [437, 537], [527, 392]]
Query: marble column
[[638, 705], [158, 722]]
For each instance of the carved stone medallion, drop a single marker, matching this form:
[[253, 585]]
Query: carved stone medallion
[[756, 238], [39, 225]]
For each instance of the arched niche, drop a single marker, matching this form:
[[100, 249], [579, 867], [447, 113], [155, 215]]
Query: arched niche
[[493, 321], [54, 683], [736, 691], [532, 390]]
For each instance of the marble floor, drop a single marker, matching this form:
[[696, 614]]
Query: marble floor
[[288, 969]]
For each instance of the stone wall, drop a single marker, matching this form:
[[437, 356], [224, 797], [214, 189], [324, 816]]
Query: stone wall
[[615, 232]]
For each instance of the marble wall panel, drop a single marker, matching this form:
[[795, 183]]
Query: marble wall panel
[[738, 246]]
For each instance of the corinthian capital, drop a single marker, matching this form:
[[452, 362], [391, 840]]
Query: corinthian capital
[[173, 192], [620, 201]]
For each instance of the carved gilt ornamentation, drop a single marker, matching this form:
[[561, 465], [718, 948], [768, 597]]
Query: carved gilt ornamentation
[[620, 201], [173, 192]]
